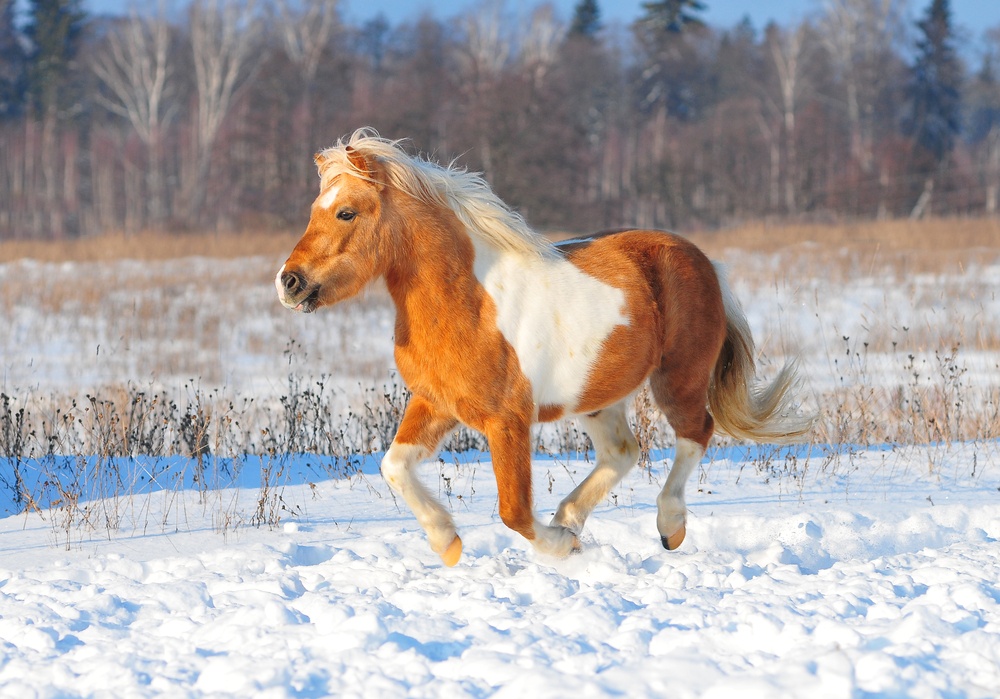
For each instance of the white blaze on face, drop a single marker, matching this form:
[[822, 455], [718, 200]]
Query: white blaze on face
[[279, 286], [281, 289], [328, 196], [554, 315]]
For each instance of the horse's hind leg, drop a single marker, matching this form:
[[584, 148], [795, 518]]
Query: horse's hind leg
[[683, 399], [617, 452], [420, 432]]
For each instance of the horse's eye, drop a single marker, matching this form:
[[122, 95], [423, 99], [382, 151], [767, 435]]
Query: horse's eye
[[346, 215]]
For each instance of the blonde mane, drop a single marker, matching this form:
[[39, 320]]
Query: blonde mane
[[467, 194]]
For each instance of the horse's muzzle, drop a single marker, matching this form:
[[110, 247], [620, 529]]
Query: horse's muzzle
[[294, 292], [292, 283]]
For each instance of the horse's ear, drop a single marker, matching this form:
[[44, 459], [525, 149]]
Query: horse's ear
[[320, 160], [368, 167]]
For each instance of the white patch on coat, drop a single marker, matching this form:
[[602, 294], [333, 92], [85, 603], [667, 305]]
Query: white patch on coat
[[326, 198], [554, 315]]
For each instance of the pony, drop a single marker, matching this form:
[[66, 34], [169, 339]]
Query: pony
[[497, 328]]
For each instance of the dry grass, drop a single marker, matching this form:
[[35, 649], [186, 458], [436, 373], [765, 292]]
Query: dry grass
[[903, 247], [150, 246], [926, 245], [934, 235]]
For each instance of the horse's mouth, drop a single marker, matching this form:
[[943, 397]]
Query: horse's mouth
[[309, 303], [292, 285]]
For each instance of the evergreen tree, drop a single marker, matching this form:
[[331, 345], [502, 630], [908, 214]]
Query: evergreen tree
[[12, 61], [935, 86], [586, 19], [671, 73], [54, 28], [672, 15]]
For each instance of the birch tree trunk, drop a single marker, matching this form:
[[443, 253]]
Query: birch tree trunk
[[225, 50], [786, 53], [305, 28], [859, 35], [135, 66]]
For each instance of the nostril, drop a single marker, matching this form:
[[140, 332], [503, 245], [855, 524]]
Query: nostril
[[292, 282]]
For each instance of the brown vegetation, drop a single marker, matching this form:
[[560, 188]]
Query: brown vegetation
[[902, 235], [150, 246], [928, 245]]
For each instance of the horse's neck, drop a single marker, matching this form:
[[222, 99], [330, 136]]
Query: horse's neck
[[436, 268]]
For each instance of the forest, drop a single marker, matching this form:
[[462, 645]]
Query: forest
[[205, 116]]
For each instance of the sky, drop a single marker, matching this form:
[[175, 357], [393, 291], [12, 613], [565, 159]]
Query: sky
[[720, 13], [974, 15]]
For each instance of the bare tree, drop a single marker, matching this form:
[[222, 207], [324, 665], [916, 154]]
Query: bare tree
[[226, 52], [786, 49], [981, 125], [135, 65], [543, 36], [861, 36], [481, 59], [487, 47], [991, 170], [305, 29], [991, 155]]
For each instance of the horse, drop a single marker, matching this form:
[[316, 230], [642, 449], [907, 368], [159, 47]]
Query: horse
[[497, 328]]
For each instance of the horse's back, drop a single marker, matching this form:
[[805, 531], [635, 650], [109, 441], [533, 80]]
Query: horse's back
[[673, 305], [641, 245], [657, 268]]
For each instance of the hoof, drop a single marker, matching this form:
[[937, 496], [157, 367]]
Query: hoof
[[670, 543], [452, 553], [577, 548]]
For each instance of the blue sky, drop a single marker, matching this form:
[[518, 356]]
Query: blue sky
[[974, 16], [978, 14]]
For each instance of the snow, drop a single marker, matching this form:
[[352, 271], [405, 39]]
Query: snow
[[813, 571], [805, 574]]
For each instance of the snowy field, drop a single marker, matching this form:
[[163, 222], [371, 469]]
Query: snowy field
[[859, 569], [867, 574]]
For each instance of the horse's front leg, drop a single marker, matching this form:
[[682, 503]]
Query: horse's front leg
[[510, 447], [421, 431]]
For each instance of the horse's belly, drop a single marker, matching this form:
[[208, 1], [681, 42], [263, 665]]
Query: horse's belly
[[557, 319]]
